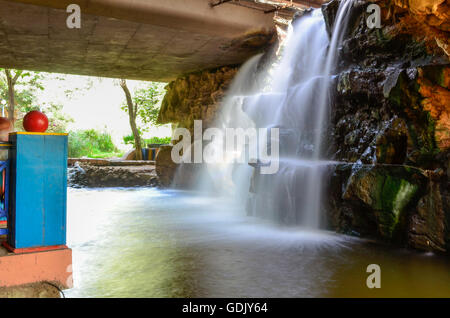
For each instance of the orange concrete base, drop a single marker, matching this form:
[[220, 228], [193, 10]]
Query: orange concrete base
[[32, 249], [52, 266]]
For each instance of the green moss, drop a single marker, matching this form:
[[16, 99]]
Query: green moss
[[392, 194], [391, 197], [405, 194]]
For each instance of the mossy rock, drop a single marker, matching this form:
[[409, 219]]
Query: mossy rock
[[387, 190]]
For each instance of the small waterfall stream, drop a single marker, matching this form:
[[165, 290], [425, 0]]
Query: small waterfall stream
[[293, 96]]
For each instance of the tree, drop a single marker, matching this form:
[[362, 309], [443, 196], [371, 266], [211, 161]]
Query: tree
[[149, 100], [11, 80], [132, 114], [24, 97], [146, 101]]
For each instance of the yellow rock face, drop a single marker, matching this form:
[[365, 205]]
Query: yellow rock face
[[427, 19], [437, 102], [422, 6]]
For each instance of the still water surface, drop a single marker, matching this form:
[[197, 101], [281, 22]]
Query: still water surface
[[152, 243]]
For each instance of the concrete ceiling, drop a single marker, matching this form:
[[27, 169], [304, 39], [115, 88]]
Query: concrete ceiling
[[135, 39]]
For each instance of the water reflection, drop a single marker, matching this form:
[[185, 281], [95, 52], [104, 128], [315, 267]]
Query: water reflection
[[152, 243]]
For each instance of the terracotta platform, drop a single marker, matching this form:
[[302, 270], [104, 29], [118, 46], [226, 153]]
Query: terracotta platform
[[53, 266]]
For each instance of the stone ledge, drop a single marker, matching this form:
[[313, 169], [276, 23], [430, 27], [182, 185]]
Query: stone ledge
[[88, 175], [109, 162]]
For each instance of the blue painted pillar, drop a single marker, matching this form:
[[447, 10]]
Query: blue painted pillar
[[38, 190]]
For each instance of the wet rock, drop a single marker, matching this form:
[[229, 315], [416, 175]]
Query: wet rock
[[428, 225], [391, 142], [400, 204], [388, 191], [384, 74], [361, 82], [164, 166], [329, 11], [346, 216]]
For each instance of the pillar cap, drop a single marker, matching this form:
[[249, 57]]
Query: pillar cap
[[37, 133]]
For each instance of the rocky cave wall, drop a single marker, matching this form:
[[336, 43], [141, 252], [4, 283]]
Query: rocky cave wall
[[391, 123]]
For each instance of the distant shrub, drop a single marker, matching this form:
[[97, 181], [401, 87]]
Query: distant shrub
[[129, 140], [158, 140], [91, 143]]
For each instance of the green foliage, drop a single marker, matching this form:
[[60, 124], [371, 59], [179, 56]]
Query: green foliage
[[26, 87], [129, 140], [147, 100], [28, 83], [91, 143], [158, 140], [105, 155]]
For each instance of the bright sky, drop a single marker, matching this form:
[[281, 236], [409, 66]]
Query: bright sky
[[97, 107]]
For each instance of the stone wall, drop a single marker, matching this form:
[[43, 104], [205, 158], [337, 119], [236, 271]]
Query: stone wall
[[195, 96], [90, 175]]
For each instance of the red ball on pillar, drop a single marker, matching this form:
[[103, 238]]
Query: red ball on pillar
[[35, 121]]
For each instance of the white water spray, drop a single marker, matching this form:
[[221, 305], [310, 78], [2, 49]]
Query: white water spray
[[294, 97]]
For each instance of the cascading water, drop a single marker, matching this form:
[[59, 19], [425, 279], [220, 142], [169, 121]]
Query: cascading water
[[293, 96]]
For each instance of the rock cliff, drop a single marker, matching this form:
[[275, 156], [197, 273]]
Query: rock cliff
[[391, 124]]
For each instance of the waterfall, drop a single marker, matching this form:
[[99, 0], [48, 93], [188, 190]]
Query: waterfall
[[293, 96]]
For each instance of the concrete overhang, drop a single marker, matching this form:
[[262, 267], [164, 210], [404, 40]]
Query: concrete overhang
[[135, 39]]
